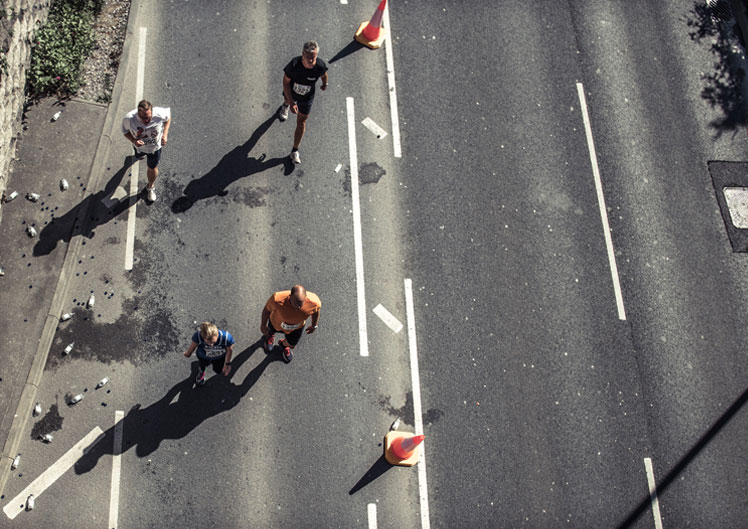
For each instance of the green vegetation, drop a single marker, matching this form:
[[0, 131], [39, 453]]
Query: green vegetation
[[61, 46]]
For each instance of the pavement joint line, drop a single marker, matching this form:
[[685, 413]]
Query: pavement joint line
[[95, 176], [390, 65], [116, 469], [135, 173], [423, 491], [357, 244], [601, 204], [371, 515], [49, 476], [653, 493], [388, 318]]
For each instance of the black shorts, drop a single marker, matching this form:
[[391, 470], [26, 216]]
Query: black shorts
[[217, 363], [305, 105], [292, 338], [153, 158]]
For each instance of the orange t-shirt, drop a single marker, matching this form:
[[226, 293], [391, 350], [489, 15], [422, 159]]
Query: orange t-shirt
[[287, 318]]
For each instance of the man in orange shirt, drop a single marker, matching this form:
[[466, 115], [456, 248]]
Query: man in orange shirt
[[287, 311]]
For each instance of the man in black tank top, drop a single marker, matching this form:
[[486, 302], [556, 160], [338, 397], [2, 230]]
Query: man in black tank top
[[299, 80]]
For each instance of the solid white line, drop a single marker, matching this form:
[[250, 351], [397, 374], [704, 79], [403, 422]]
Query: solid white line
[[653, 493], [49, 476], [388, 318], [416, 383], [139, 81], [601, 204], [116, 469], [371, 512], [358, 246], [390, 64]]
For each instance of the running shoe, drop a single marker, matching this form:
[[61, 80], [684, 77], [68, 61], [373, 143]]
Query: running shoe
[[287, 355], [295, 158], [200, 378], [151, 193], [268, 344], [283, 113]]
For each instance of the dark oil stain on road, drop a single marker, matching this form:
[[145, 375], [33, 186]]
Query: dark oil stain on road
[[138, 339], [370, 173], [51, 422], [405, 413]]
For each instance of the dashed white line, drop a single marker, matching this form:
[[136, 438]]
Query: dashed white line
[[416, 383], [357, 239], [390, 65], [116, 469], [49, 476], [601, 204], [388, 318], [371, 514], [653, 493], [139, 81]]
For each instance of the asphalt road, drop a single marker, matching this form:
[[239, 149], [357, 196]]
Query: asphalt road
[[540, 402]]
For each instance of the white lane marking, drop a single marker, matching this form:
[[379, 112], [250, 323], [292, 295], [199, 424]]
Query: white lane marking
[[358, 246], [390, 64], [601, 204], [370, 124], [49, 476], [416, 383], [116, 469], [371, 513], [344, 2], [388, 318], [139, 81], [653, 493]]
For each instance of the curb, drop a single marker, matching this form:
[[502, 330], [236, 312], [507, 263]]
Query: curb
[[28, 395]]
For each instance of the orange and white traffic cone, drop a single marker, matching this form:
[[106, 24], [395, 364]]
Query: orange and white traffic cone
[[401, 448], [370, 33]]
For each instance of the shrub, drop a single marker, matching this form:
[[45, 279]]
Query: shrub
[[61, 46]]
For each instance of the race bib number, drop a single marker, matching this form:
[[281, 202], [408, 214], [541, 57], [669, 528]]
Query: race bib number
[[211, 352], [301, 89], [291, 327]]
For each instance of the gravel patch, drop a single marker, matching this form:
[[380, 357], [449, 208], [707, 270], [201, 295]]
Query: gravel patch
[[100, 69]]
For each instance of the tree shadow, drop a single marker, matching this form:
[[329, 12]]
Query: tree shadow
[[87, 215], [379, 467], [352, 47], [671, 476], [146, 428], [233, 166], [724, 85]]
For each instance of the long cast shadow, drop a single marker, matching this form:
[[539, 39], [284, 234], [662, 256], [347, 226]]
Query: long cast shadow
[[233, 166], [352, 47], [645, 504], [87, 215], [146, 428], [379, 467]]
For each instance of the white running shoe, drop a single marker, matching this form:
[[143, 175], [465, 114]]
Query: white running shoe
[[283, 114], [295, 158], [151, 194]]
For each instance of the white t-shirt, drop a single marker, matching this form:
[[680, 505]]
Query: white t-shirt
[[150, 134]]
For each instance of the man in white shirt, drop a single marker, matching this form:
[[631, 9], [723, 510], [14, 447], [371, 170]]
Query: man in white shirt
[[147, 128]]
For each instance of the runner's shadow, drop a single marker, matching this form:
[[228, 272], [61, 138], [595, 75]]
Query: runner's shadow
[[146, 428], [233, 166], [87, 215]]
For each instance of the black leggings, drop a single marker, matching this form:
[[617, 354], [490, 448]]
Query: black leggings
[[217, 363]]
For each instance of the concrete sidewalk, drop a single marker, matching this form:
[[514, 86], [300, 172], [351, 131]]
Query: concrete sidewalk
[[47, 152]]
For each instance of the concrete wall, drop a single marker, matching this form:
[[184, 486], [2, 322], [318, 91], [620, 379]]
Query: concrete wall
[[18, 21]]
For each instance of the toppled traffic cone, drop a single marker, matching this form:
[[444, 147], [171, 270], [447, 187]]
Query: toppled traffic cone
[[401, 448], [370, 33]]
